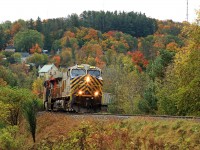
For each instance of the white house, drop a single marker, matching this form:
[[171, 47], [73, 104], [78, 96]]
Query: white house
[[48, 70]]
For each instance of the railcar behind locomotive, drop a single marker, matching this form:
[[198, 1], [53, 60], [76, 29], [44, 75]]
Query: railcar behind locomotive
[[78, 89]]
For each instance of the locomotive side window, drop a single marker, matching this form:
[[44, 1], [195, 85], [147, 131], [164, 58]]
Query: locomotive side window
[[95, 73], [77, 72]]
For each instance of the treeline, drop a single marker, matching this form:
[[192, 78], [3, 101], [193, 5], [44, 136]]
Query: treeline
[[135, 24]]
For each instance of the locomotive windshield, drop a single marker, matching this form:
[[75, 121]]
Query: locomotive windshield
[[95, 73], [78, 72]]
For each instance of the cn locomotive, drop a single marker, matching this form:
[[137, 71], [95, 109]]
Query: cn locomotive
[[78, 89]]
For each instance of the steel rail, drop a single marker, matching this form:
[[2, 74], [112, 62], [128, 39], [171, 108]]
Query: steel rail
[[123, 115]]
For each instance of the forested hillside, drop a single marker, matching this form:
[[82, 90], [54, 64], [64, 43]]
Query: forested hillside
[[149, 66]]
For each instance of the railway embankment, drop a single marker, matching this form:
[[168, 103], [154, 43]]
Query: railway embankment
[[86, 131]]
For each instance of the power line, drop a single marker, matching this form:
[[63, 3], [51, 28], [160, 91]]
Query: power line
[[187, 12]]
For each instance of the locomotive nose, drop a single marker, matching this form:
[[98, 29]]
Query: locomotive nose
[[87, 79]]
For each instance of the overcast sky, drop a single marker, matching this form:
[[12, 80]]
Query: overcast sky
[[160, 9]]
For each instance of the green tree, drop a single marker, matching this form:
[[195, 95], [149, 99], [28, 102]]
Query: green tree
[[17, 57], [4, 113], [8, 76], [125, 84], [2, 39], [37, 87], [31, 24], [182, 78], [24, 40], [9, 139], [14, 98], [38, 59], [38, 26], [148, 104], [23, 75], [30, 112]]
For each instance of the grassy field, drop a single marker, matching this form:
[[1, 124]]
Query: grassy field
[[59, 131]]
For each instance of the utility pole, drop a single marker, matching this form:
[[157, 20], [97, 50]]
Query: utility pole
[[187, 12]]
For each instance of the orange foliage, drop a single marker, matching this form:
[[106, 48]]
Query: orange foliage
[[35, 49], [92, 35], [69, 34], [159, 45], [111, 33], [2, 82], [99, 62], [15, 28], [57, 60], [172, 46], [139, 60]]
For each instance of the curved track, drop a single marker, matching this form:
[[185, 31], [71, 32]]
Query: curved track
[[123, 116]]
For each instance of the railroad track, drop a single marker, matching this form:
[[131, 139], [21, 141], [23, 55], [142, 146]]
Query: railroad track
[[122, 116]]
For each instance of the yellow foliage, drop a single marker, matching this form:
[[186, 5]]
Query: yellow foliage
[[2, 82], [4, 111], [172, 46], [37, 87]]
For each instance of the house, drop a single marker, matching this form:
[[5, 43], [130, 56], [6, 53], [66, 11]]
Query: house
[[44, 51], [48, 71], [24, 55], [10, 48]]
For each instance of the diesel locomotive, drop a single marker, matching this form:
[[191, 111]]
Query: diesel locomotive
[[78, 89]]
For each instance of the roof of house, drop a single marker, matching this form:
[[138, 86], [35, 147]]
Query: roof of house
[[46, 68], [24, 54], [9, 47]]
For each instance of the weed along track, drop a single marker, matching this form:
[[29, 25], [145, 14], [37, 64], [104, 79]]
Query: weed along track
[[61, 130]]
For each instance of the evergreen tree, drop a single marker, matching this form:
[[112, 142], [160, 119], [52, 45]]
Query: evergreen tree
[[38, 26]]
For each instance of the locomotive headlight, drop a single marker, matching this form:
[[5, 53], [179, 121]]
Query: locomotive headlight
[[96, 93], [87, 79], [80, 92]]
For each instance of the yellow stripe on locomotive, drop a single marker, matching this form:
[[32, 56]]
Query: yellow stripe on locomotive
[[86, 85]]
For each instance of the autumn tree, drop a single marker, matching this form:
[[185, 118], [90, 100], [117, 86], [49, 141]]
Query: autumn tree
[[35, 49], [179, 94], [125, 85], [56, 60], [66, 57], [139, 61], [15, 28], [37, 87], [23, 76], [89, 51]]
